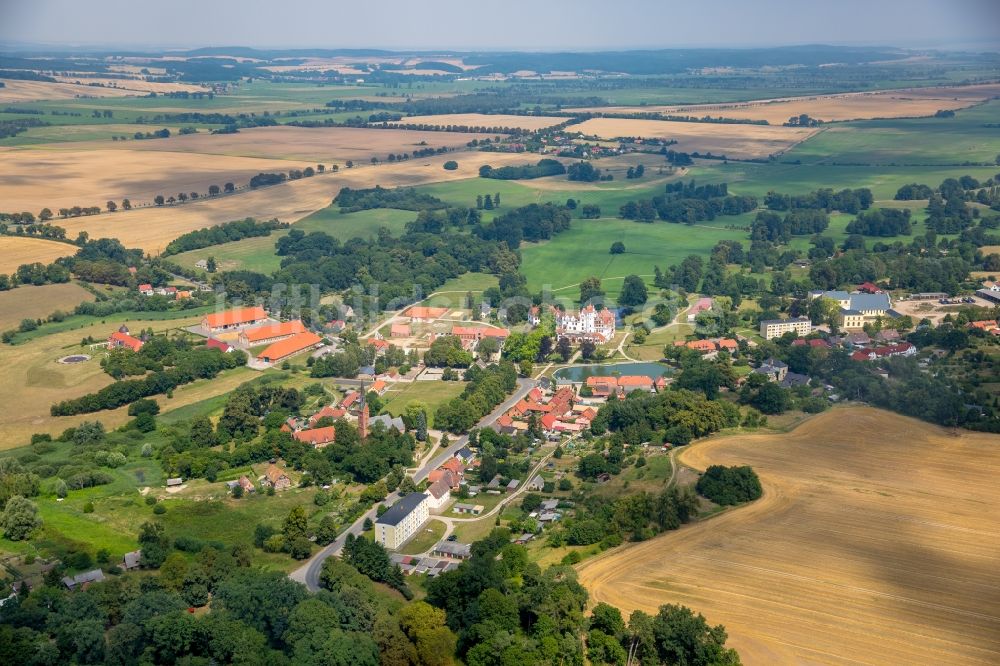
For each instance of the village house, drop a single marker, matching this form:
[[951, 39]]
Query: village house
[[775, 328], [329, 411], [773, 369], [629, 383], [269, 333], [988, 325], [703, 304], [121, 339], [317, 437], [233, 319], [247, 485], [537, 483], [438, 494], [296, 344], [131, 560], [535, 314], [901, 349], [83, 580], [276, 478], [397, 525], [588, 324], [224, 347], [146, 289], [445, 475]]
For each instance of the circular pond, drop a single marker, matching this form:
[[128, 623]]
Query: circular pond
[[75, 358]]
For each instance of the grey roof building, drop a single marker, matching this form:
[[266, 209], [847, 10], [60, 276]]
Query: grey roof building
[[92, 576], [401, 509]]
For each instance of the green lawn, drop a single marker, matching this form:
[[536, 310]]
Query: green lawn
[[581, 252], [83, 321], [919, 141], [250, 254], [431, 532], [362, 224], [432, 394]]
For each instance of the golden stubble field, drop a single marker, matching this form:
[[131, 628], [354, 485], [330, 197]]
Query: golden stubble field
[[311, 144], [485, 120], [15, 250], [732, 140], [877, 541], [152, 228], [30, 302], [912, 102]]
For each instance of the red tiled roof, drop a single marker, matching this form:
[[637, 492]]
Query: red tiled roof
[[379, 344], [212, 343], [119, 339], [289, 346], [548, 421], [727, 343], [235, 317], [316, 436], [329, 410], [635, 380], [350, 399], [421, 312], [269, 331]]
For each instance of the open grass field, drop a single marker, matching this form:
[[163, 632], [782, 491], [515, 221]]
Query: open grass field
[[738, 141], [250, 254], [34, 379], [919, 141], [17, 250], [429, 534], [904, 103], [486, 120], [151, 228], [35, 302], [432, 394], [360, 224], [877, 543], [582, 252]]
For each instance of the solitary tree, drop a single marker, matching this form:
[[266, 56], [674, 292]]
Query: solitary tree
[[112, 206], [45, 215], [126, 204], [618, 247], [19, 518], [158, 199], [213, 190], [229, 187], [633, 291], [210, 265]]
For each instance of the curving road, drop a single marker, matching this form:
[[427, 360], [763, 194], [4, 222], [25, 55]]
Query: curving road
[[308, 573]]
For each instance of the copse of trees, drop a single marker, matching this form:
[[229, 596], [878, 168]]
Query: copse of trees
[[688, 203], [533, 222], [768, 226], [676, 416], [883, 222], [846, 201], [403, 198], [222, 233], [729, 485], [544, 167], [912, 192], [264, 179], [583, 172]]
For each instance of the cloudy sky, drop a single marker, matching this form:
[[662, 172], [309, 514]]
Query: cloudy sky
[[541, 25]]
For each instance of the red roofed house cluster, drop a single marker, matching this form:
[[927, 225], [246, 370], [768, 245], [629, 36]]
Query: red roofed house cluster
[[875, 353]]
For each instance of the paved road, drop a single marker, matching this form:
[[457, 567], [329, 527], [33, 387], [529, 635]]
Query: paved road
[[309, 572]]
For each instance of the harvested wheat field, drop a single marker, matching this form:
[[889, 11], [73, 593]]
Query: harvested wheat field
[[908, 103], [55, 178], [35, 91], [15, 250], [133, 86], [153, 227], [877, 541], [485, 120], [312, 144], [738, 141], [30, 302]]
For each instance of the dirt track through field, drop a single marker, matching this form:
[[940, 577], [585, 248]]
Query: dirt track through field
[[877, 541]]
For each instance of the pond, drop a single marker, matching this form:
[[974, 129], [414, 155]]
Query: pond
[[579, 373]]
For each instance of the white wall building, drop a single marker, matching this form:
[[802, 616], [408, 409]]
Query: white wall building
[[397, 525]]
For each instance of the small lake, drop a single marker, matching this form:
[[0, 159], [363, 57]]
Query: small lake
[[579, 373]]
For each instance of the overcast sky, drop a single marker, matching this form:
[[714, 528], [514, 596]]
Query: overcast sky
[[541, 25]]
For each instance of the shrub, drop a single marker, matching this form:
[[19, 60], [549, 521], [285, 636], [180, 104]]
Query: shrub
[[450, 165], [159, 509], [274, 544], [88, 507], [150, 501]]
